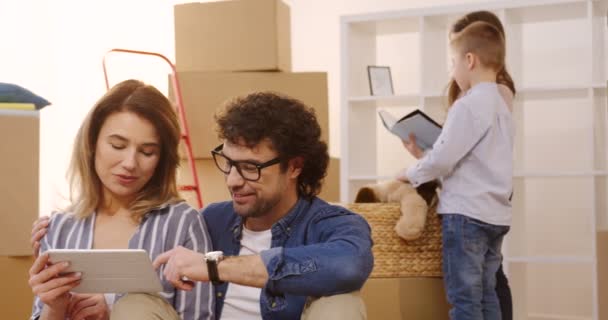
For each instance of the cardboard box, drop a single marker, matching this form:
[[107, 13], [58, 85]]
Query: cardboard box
[[237, 35], [19, 147], [16, 299], [405, 298], [213, 185], [211, 179], [331, 185], [204, 93]]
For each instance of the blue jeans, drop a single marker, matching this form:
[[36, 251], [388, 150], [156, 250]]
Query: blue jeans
[[471, 258]]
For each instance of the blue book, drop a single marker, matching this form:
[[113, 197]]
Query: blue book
[[417, 122]]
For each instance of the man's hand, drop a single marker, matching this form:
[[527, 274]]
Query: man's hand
[[411, 146], [38, 231], [88, 307], [182, 266]]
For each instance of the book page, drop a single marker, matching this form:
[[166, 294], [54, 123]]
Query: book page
[[387, 119], [426, 132]]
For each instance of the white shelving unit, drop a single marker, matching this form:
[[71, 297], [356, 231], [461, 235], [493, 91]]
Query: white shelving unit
[[557, 53]]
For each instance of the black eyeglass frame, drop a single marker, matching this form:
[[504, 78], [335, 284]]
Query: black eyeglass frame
[[235, 163]]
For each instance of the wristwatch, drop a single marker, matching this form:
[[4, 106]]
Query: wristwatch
[[213, 258]]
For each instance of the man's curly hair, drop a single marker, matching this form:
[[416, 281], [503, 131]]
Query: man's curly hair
[[289, 124]]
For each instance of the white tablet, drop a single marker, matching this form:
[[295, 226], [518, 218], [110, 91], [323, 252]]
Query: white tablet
[[110, 271]]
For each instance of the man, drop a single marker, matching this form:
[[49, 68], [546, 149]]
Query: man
[[280, 246], [281, 243]]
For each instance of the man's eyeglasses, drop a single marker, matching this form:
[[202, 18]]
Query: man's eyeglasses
[[249, 170]]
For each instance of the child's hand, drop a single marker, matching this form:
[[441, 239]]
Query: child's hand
[[402, 176], [412, 147]]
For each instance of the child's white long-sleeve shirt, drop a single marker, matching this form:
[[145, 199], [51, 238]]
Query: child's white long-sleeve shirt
[[474, 158]]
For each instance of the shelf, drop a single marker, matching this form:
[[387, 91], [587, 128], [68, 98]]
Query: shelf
[[558, 174], [559, 88], [529, 26], [550, 316], [600, 86], [550, 259], [522, 174], [396, 100], [560, 195], [538, 89], [527, 174], [431, 11], [550, 11], [434, 95], [370, 177]]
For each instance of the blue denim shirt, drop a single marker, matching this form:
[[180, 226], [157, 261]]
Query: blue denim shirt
[[317, 249]]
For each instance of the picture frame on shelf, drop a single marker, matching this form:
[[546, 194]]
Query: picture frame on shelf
[[380, 80]]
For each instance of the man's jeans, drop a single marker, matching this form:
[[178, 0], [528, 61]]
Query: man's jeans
[[471, 257]]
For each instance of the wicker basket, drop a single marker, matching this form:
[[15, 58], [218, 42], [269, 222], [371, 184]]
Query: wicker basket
[[395, 257]]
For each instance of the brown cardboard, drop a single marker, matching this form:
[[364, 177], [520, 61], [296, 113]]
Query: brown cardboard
[[213, 185], [19, 145], [602, 269], [205, 92], [237, 35], [16, 298], [331, 184], [405, 298]]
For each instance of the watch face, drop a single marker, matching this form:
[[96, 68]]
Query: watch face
[[214, 255]]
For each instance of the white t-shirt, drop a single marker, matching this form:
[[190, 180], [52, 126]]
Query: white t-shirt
[[243, 302]]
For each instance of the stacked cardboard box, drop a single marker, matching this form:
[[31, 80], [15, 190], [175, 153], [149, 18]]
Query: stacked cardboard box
[[405, 298], [231, 48], [19, 146], [17, 298]]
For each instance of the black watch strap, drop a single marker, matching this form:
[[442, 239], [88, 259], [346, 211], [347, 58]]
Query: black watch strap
[[214, 275]]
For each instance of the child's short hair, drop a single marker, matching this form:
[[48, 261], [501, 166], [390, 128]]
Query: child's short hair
[[483, 40]]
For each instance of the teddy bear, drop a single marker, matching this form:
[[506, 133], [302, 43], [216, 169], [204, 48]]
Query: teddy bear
[[415, 203]]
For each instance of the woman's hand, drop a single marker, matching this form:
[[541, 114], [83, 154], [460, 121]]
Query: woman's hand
[[47, 282], [88, 307], [411, 146], [39, 229]]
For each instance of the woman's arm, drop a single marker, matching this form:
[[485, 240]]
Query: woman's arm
[[198, 303]]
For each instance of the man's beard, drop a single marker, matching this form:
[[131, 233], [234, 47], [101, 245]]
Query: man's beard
[[259, 209]]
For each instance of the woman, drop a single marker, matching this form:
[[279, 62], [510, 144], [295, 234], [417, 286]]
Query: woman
[[124, 195]]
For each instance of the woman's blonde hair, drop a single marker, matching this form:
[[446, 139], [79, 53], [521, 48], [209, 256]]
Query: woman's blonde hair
[[503, 76], [147, 102]]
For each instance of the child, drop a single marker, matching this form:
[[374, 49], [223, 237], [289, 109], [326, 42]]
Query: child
[[506, 88], [473, 155]]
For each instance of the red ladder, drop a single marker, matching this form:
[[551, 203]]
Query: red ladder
[[185, 134]]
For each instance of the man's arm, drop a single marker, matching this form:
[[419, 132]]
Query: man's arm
[[339, 262], [244, 270], [181, 263]]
